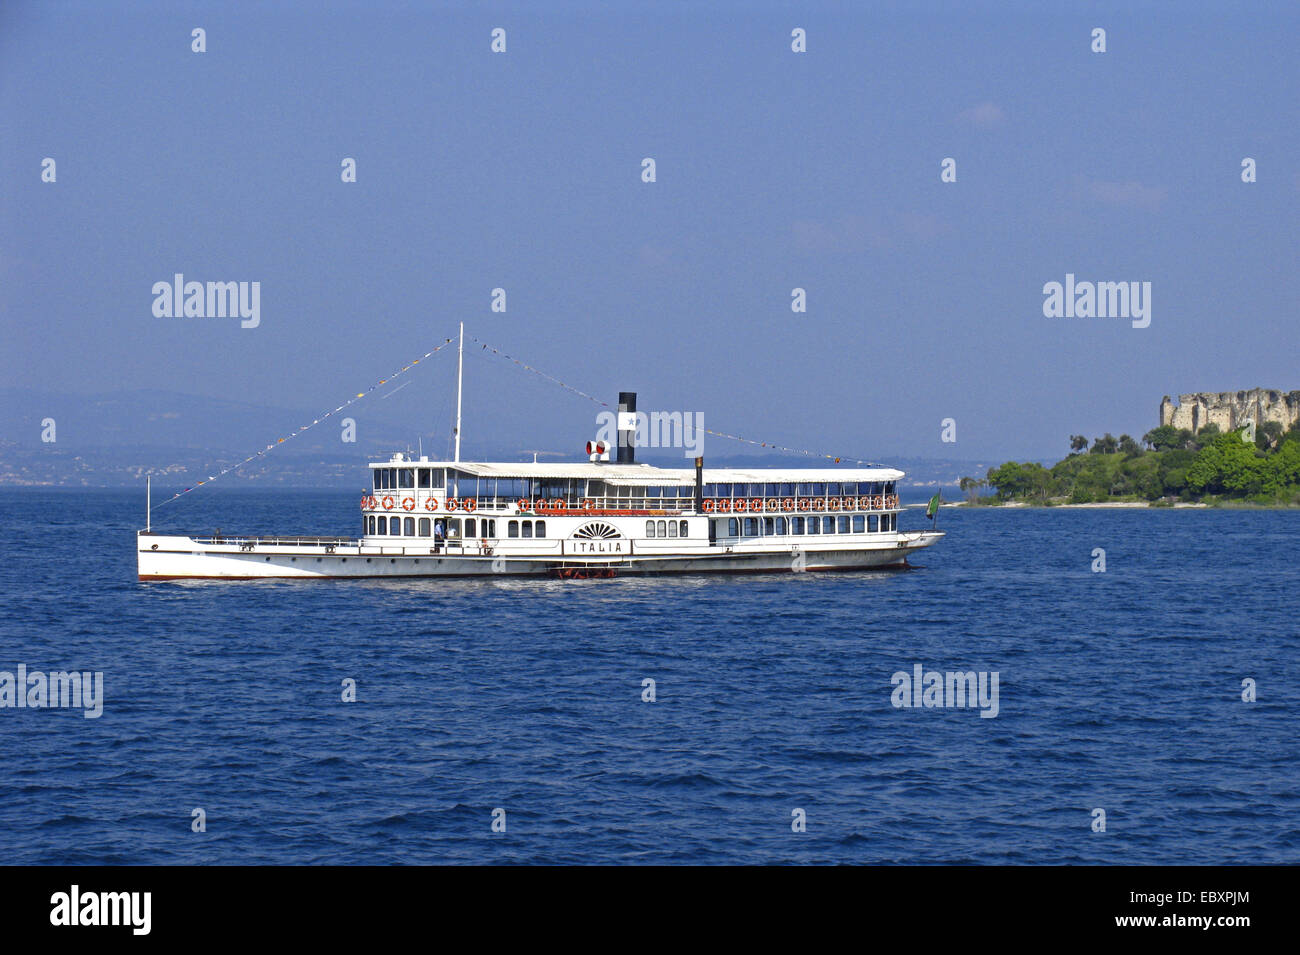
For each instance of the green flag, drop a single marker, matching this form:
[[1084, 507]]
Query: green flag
[[933, 507]]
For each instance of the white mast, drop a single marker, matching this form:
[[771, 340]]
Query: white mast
[[148, 503], [460, 371]]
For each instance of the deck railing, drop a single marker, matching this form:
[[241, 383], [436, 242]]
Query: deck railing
[[542, 507]]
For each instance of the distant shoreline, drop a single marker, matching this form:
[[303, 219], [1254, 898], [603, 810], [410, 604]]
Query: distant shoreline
[[1125, 505]]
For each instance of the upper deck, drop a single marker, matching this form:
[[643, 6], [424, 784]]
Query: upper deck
[[402, 483]]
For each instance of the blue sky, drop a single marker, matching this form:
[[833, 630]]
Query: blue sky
[[775, 170]]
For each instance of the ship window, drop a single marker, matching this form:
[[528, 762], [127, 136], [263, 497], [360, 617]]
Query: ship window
[[424, 478], [710, 490], [733, 527], [370, 524], [527, 528], [842, 525], [512, 529], [406, 477], [781, 525], [833, 488], [424, 527], [813, 525], [769, 525], [395, 527], [771, 490], [661, 529], [408, 527], [724, 490], [751, 527], [438, 475], [818, 489], [828, 525], [858, 523], [805, 490], [489, 528], [873, 523], [470, 529], [672, 528], [649, 528], [683, 528], [796, 525], [654, 492]]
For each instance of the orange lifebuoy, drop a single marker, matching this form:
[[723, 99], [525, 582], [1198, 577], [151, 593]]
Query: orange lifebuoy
[[833, 504], [819, 504], [522, 503], [408, 504], [756, 504], [804, 503], [789, 504], [363, 503], [724, 505], [388, 503], [451, 504], [559, 505], [431, 504], [740, 505], [470, 504], [850, 503], [710, 505], [878, 502], [774, 504], [588, 505]]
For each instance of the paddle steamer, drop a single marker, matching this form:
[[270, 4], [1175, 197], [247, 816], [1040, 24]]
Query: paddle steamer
[[592, 518]]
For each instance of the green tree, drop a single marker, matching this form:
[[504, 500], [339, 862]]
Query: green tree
[[1167, 438], [971, 487], [1105, 445], [1227, 464], [1285, 464], [1128, 446], [1078, 443], [1020, 481], [1268, 434]]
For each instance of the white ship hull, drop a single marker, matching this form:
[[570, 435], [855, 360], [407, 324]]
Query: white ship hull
[[164, 557]]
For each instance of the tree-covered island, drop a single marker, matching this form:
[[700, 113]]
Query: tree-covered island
[[1169, 466]]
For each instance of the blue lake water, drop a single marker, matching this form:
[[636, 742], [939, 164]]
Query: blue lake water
[[1118, 690]]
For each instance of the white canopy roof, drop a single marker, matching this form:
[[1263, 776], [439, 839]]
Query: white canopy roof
[[635, 474]]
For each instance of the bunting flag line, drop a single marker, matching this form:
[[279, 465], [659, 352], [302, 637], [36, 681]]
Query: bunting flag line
[[539, 373], [293, 434], [837, 459]]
